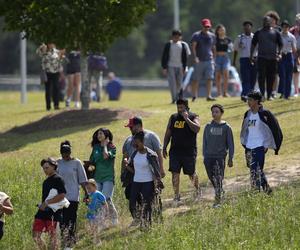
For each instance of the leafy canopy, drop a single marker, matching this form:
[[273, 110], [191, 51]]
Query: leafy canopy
[[91, 25]]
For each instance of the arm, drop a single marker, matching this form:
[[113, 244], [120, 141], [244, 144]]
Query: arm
[[6, 207], [204, 143], [194, 45], [235, 51], [230, 143], [167, 138], [279, 42], [161, 163], [194, 125], [253, 45], [56, 199]]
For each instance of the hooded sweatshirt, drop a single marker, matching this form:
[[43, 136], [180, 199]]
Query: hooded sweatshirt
[[217, 140]]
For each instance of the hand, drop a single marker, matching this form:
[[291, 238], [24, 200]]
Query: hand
[[106, 141], [185, 115], [86, 199], [43, 206], [165, 72], [165, 153], [278, 58], [126, 162], [252, 61], [197, 60], [230, 163]]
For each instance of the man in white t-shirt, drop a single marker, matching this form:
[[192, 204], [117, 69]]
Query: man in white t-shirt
[[260, 132], [173, 62]]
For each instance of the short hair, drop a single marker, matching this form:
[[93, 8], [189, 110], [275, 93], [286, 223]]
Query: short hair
[[176, 32], [50, 161], [247, 22], [92, 182], [256, 95], [65, 147], [219, 106], [139, 136], [273, 14], [184, 102]]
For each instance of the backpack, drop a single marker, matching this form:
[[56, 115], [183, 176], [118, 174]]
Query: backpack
[[96, 62]]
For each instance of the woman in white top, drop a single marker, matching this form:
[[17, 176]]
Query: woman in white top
[[144, 163]]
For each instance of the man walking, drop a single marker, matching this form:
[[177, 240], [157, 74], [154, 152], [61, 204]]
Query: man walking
[[260, 132], [182, 131], [203, 49], [242, 45], [269, 43], [173, 62], [151, 140]]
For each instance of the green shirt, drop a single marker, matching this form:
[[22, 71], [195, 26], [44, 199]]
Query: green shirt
[[104, 167]]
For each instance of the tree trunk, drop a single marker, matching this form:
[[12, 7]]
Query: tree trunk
[[86, 85]]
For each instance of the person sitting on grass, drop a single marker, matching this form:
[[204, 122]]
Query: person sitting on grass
[[97, 208], [46, 220], [145, 166], [5, 208], [217, 141]]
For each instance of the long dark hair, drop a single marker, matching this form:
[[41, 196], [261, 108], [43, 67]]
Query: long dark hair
[[107, 133], [219, 26]]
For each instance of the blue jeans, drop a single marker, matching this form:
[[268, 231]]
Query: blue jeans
[[286, 66], [107, 188], [255, 161], [222, 63], [248, 75]]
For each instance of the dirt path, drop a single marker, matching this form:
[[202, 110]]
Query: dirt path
[[288, 172]]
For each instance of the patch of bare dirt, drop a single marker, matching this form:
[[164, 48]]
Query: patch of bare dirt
[[76, 118]]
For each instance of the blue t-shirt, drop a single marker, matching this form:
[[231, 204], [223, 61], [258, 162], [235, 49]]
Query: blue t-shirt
[[113, 89], [205, 44], [97, 200]]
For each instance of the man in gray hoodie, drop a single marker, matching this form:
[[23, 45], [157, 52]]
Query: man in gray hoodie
[[217, 141]]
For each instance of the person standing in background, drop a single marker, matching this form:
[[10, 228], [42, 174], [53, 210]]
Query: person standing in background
[[113, 87], [248, 71], [173, 62], [223, 46], [295, 30], [74, 77], [269, 43], [286, 64], [203, 49]]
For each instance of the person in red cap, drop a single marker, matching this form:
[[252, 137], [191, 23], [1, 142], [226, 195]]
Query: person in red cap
[[151, 140], [203, 50]]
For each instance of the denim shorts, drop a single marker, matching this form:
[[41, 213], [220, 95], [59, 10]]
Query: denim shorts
[[204, 70], [222, 63]]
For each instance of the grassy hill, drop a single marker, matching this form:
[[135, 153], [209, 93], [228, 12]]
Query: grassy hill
[[28, 133]]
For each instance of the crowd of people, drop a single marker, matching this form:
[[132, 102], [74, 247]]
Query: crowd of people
[[142, 169], [56, 63], [269, 56]]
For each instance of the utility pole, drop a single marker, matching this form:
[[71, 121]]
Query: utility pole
[[23, 68], [176, 15]]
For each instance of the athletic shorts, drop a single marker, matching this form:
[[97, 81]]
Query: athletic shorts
[[187, 163], [41, 226]]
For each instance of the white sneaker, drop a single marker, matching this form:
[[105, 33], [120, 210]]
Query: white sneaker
[[77, 105], [295, 95]]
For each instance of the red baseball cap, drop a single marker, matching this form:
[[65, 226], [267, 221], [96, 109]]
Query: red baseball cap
[[134, 121], [206, 22]]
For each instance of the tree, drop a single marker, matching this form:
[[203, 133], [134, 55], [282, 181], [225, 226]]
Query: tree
[[91, 25]]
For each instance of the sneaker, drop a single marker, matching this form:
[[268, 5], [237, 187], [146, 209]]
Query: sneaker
[[244, 98], [295, 95], [274, 95], [135, 223], [193, 99], [270, 98], [77, 105], [67, 103], [177, 201], [216, 205], [210, 99]]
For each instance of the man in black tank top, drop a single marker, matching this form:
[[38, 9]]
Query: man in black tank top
[[182, 130]]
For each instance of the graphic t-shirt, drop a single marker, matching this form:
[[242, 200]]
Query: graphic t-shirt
[[97, 200], [255, 135]]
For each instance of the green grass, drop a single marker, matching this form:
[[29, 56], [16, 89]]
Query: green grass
[[247, 222]]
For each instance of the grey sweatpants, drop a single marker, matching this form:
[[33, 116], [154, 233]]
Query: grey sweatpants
[[175, 77]]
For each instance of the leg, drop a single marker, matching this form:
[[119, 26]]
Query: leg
[[174, 168], [261, 65], [271, 75], [135, 191], [70, 88], [108, 190], [68, 225], [48, 93], [253, 75], [219, 176], [175, 183], [208, 163], [37, 237], [282, 77], [179, 79], [289, 76], [296, 82], [77, 85], [209, 72], [208, 88], [55, 90], [218, 82], [245, 75], [225, 80], [172, 82], [147, 193]]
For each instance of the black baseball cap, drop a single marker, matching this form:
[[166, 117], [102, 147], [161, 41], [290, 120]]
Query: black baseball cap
[[134, 121], [285, 22]]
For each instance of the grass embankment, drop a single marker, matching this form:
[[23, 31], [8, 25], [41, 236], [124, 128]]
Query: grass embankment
[[247, 222]]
